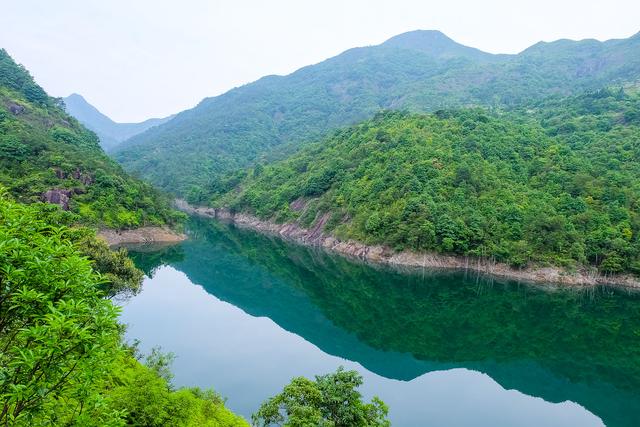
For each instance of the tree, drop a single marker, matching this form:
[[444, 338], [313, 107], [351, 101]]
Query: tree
[[57, 334], [62, 361], [331, 400]]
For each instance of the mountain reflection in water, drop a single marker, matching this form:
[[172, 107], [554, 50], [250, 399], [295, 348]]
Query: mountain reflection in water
[[555, 344]]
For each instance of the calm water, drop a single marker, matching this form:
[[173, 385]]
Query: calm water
[[245, 313]]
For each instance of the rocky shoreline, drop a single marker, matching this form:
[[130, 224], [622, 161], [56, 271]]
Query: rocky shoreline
[[315, 236], [141, 235]]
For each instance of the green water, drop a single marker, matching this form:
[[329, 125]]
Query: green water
[[441, 348]]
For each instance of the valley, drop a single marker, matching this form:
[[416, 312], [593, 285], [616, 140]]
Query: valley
[[411, 232]]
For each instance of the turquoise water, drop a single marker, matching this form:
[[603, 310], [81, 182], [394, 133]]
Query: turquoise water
[[245, 313]]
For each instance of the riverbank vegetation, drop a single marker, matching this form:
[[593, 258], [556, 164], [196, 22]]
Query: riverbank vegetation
[[330, 400], [63, 361], [63, 358], [555, 183]]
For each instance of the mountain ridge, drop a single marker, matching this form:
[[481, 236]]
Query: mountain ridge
[[437, 44], [110, 132], [234, 130]]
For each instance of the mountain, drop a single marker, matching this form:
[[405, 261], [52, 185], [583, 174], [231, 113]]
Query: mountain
[[555, 183], [47, 155], [438, 45], [110, 133], [417, 71]]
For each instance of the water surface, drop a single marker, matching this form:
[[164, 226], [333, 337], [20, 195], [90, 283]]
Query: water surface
[[244, 313]]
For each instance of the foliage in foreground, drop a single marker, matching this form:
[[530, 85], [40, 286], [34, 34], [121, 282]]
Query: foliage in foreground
[[330, 401], [58, 336], [62, 361], [119, 273], [557, 183], [145, 395]]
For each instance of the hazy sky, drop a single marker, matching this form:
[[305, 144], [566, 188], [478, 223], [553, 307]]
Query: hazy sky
[[135, 59]]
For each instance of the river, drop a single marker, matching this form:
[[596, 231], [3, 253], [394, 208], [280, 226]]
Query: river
[[244, 313]]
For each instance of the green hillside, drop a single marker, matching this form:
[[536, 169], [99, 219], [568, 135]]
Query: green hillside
[[46, 155], [418, 71], [555, 183]]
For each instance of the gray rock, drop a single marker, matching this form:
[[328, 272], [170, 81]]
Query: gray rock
[[58, 197]]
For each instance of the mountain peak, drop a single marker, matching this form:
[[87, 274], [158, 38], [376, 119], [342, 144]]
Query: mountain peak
[[436, 44], [76, 96], [419, 36], [110, 133]]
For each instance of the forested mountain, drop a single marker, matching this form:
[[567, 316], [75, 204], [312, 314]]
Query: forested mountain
[[110, 133], [418, 71], [46, 155], [554, 183]]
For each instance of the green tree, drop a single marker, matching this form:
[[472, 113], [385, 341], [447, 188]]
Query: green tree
[[57, 334], [62, 361], [331, 400], [143, 394], [519, 187]]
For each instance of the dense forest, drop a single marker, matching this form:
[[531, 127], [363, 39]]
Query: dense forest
[[46, 155], [419, 71], [553, 183]]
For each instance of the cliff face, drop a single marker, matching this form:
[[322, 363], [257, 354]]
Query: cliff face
[[316, 236]]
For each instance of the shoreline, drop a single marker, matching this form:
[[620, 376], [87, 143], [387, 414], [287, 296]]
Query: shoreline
[[378, 254], [142, 235]]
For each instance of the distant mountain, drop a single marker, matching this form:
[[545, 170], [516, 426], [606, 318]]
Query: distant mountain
[[110, 133], [417, 71], [48, 156], [438, 45]]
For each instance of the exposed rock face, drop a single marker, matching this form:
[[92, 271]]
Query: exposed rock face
[[83, 177], [60, 174], [141, 235], [58, 197], [298, 204], [16, 108], [316, 236]]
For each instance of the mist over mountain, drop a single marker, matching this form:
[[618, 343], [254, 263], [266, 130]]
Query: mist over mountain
[[110, 133]]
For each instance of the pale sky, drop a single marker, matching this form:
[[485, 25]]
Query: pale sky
[[135, 59]]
